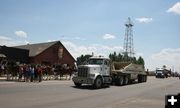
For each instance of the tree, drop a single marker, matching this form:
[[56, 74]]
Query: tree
[[125, 58], [82, 59], [164, 66], [140, 61], [119, 57], [133, 59]]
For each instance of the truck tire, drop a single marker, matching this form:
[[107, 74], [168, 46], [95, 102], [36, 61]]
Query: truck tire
[[120, 81], [140, 78], [145, 78], [77, 84], [126, 80], [98, 83]]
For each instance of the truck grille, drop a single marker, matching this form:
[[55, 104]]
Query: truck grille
[[82, 71]]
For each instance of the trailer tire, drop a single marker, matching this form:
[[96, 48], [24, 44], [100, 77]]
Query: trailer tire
[[145, 78], [120, 81], [77, 84], [140, 78], [126, 80], [98, 83]]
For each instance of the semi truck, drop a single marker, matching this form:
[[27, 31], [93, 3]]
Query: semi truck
[[162, 73], [101, 71]]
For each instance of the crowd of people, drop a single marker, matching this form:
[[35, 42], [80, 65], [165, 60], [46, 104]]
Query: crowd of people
[[34, 72], [30, 73]]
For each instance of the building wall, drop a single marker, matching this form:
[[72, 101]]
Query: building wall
[[15, 54], [50, 56]]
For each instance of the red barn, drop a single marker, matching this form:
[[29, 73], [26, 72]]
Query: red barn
[[48, 53]]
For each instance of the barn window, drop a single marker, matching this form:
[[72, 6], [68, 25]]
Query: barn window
[[60, 52]]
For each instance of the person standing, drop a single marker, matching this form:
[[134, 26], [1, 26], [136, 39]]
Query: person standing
[[20, 72], [29, 73], [26, 73], [32, 73], [39, 73], [36, 73], [25, 69]]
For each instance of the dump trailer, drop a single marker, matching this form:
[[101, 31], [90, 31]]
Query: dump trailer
[[100, 71], [124, 73]]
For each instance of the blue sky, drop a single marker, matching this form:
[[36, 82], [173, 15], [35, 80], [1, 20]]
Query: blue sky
[[81, 26]]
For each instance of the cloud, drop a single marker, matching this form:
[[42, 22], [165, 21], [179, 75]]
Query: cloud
[[4, 40], [169, 57], [97, 49], [144, 19], [21, 34], [71, 38], [109, 36], [175, 8], [26, 42], [51, 40]]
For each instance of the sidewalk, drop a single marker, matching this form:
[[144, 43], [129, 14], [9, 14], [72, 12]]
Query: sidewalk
[[3, 80]]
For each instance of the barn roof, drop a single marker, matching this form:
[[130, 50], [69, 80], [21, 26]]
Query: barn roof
[[35, 49]]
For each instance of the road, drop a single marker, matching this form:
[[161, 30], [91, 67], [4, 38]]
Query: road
[[63, 94]]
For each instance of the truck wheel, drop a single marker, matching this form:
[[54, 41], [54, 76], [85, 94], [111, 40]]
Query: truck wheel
[[98, 83], [140, 77], [77, 84], [145, 78], [126, 80], [120, 81]]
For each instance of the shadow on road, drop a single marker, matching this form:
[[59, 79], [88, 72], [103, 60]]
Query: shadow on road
[[89, 87]]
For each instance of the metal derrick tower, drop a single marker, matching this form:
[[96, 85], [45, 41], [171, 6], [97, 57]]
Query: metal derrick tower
[[128, 39]]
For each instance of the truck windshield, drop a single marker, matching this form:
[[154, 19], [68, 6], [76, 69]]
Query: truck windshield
[[95, 61], [159, 71]]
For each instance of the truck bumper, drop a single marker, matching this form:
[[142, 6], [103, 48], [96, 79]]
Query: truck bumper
[[160, 76], [83, 80]]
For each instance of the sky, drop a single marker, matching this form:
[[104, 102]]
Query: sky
[[86, 26]]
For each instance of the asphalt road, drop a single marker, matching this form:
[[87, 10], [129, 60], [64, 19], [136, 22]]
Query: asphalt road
[[63, 94]]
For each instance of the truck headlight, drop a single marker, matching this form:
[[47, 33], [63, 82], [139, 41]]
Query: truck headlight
[[75, 74]]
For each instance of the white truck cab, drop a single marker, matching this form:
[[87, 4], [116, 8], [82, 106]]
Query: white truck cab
[[96, 72]]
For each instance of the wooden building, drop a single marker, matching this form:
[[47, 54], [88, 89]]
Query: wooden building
[[14, 54], [48, 53]]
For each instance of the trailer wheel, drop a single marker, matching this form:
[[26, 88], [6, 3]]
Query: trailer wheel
[[140, 79], [98, 83], [126, 80], [77, 84], [120, 81], [145, 78]]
